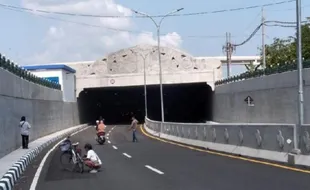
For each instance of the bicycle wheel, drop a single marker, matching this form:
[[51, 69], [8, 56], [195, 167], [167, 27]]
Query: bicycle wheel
[[79, 166], [66, 161]]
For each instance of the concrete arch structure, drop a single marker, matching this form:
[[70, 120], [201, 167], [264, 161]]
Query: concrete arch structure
[[126, 68]]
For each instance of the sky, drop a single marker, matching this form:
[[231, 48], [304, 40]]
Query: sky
[[41, 38]]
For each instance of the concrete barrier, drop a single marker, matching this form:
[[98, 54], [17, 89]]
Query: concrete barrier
[[43, 108], [275, 99], [15, 171], [262, 141]]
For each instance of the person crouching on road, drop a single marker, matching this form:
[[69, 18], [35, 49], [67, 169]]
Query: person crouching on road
[[92, 160], [24, 130]]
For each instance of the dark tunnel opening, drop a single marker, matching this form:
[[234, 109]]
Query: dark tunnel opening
[[186, 103]]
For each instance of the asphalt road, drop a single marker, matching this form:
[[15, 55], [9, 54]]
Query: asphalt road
[[154, 165]]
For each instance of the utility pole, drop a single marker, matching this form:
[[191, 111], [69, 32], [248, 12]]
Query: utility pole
[[299, 70], [228, 48], [263, 39]]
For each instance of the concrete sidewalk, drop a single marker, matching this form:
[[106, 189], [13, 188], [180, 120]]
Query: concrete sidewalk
[[13, 164]]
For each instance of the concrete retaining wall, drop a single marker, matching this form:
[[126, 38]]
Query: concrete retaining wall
[[264, 141], [13, 86], [275, 99], [43, 108]]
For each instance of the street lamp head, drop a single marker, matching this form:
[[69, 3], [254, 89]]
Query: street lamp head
[[139, 13], [179, 9]]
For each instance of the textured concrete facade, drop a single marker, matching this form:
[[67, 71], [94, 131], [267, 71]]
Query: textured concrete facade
[[43, 108], [275, 99], [126, 68]]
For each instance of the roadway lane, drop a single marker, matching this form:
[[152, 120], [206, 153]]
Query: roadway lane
[[118, 171], [190, 169], [125, 168]]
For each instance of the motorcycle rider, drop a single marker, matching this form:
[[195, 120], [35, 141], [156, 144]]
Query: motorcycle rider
[[100, 127], [98, 121]]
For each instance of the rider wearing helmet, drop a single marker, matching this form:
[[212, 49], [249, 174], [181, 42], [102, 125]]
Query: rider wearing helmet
[[100, 127], [98, 122]]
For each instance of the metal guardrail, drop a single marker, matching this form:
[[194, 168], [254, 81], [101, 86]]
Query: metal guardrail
[[24, 74], [272, 137], [268, 71]]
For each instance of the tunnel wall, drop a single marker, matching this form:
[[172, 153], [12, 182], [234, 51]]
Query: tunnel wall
[[275, 99], [43, 108]]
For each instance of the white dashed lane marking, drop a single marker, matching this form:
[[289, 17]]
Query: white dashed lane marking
[[154, 169], [127, 155]]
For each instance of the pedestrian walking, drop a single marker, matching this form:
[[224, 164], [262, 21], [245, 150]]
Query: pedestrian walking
[[133, 127], [24, 130]]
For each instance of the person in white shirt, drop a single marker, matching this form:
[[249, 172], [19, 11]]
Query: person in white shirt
[[92, 160], [24, 131]]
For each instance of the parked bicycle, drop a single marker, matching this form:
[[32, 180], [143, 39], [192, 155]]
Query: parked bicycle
[[70, 158]]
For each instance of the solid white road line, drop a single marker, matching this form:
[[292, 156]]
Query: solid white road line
[[154, 169], [127, 155], [109, 142], [108, 138], [115, 147], [39, 170]]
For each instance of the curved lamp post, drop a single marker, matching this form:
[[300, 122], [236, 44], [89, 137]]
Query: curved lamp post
[[158, 25], [144, 56]]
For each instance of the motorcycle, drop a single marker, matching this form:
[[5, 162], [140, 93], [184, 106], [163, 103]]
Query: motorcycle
[[101, 137]]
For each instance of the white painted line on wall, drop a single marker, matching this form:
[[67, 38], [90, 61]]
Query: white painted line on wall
[[115, 147], [39, 170], [127, 155], [154, 169]]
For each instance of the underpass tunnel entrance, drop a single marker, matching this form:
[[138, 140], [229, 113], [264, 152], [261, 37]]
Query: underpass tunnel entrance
[[188, 103]]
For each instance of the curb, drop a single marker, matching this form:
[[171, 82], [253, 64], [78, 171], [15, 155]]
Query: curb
[[9, 179]]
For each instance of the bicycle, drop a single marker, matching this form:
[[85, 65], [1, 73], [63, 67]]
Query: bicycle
[[71, 156]]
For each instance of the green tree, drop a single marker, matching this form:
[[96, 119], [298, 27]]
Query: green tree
[[283, 51], [251, 67], [306, 41]]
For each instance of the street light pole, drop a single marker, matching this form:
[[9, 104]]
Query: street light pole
[[144, 66], [158, 25], [263, 39], [300, 68]]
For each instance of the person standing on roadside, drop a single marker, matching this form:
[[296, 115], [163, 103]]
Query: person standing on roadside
[[133, 127], [24, 130]]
